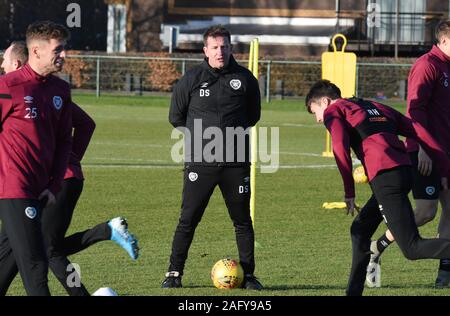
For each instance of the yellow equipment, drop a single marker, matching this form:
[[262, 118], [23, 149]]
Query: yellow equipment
[[340, 68], [253, 67]]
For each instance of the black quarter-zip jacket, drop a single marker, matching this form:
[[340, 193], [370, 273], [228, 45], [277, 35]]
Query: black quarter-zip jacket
[[206, 101]]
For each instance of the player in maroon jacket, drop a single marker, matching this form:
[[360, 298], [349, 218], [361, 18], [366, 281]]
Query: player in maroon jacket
[[371, 130], [428, 104], [56, 218], [35, 144]]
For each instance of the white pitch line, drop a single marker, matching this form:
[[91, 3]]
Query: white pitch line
[[112, 166], [298, 154], [119, 166], [159, 161], [130, 144], [300, 125], [129, 160], [131, 118], [168, 146], [307, 166]]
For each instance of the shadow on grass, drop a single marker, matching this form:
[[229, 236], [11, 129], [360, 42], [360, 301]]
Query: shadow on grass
[[428, 286], [315, 287]]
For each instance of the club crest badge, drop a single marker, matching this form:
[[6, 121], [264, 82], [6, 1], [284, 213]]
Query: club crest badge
[[30, 212], [57, 102], [430, 190], [235, 84], [193, 176]]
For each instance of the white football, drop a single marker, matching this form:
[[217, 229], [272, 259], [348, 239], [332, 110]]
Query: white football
[[105, 291]]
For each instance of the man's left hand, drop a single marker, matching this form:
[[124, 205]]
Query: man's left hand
[[351, 206], [49, 196]]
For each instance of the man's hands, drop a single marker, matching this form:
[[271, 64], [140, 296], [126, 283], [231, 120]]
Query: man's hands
[[351, 206], [425, 164], [48, 196], [444, 183]]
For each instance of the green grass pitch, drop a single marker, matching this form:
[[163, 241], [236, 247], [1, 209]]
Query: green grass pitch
[[304, 249]]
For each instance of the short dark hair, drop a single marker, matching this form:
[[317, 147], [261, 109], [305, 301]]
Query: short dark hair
[[46, 30], [322, 88], [19, 51], [216, 31], [442, 29]]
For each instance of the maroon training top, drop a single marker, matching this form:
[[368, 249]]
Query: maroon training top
[[35, 135], [429, 96], [83, 126], [379, 151]]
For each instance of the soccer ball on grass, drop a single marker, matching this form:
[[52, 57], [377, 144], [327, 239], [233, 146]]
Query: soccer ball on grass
[[227, 274]]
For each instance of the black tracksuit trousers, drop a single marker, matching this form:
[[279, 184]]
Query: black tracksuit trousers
[[199, 184], [21, 232], [390, 202], [55, 223]]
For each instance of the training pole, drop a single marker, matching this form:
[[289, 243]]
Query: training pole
[[250, 56], [254, 53]]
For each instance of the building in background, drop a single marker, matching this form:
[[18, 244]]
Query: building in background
[[288, 28], [305, 27], [134, 25], [16, 15]]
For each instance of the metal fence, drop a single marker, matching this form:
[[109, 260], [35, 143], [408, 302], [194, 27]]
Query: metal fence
[[278, 79]]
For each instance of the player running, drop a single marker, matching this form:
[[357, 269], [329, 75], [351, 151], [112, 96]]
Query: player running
[[428, 96], [371, 129]]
